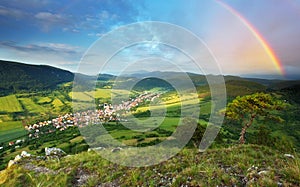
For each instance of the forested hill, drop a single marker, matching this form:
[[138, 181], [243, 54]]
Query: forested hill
[[16, 76]]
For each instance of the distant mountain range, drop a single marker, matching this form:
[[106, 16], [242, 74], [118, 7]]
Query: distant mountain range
[[17, 76]]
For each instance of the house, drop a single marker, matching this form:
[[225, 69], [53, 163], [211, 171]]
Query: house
[[11, 143]]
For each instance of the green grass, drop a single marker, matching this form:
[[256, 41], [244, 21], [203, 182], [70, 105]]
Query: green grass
[[205, 108], [11, 130], [10, 104], [44, 100], [107, 93], [4, 118], [233, 166], [81, 105], [31, 106], [80, 96], [100, 93], [57, 103], [10, 126], [77, 139]]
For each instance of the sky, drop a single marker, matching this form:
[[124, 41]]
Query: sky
[[247, 38]]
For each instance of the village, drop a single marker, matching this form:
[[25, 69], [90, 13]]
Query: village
[[106, 113]]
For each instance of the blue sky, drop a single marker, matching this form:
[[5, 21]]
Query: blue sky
[[58, 33]]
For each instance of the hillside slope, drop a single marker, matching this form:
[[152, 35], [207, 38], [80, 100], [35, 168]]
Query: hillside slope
[[246, 165], [16, 76]]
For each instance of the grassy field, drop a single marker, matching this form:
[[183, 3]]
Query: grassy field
[[44, 100], [57, 103], [11, 130], [80, 96], [107, 93], [10, 104], [5, 117], [78, 106], [31, 106]]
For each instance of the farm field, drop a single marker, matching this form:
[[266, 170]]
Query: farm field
[[80, 96], [45, 106], [11, 130], [44, 100], [10, 104], [5, 117], [107, 93], [32, 107], [57, 103], [173, 103]]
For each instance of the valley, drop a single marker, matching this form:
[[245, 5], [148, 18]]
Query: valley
[[61, 117]]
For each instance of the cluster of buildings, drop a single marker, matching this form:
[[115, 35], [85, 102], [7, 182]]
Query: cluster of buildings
[[107, 113]]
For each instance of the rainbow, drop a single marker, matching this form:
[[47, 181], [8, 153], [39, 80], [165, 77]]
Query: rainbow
[[275, 60]]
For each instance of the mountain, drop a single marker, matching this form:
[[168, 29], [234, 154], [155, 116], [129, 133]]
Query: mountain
[[292, 92], [16, 76]]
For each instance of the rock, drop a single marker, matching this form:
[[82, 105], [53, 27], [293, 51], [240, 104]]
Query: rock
[[117, 149], [17, 158], [25, 154], [279, 184], [289, 156], [252, 168], [263, 172], [96, 149], [54, 152], [10, 163], [38, 169]]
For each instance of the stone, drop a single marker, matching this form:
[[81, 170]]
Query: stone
[[289, 156], [262, 172], [54, 152], [117, 149], [96, 149], [25, 154], [10, 163], [17, 158]]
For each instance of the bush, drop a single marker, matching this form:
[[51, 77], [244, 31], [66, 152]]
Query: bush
[[140, 139], [151, 135], [32, 147]]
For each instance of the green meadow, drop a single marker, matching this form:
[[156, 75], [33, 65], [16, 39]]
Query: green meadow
[[10, 104], [11, 130]]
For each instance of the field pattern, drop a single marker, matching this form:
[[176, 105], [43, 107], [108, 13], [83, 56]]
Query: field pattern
[[31, 106], [107, 93], [11, 130], [80, 96], [44, 100], [10, 104], [57, 103]]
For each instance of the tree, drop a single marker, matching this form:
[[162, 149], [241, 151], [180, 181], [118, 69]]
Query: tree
[[250, 107]]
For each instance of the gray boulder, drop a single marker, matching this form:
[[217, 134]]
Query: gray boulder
[[54, 152]]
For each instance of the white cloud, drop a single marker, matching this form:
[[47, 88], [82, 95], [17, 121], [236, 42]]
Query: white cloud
[[49, 20], [10, 12], [47, 16]]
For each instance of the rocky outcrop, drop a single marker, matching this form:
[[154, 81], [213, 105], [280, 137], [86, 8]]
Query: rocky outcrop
[[18, 158], [54, 152]]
